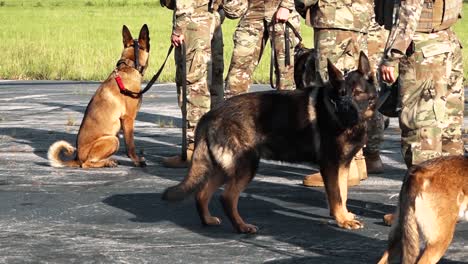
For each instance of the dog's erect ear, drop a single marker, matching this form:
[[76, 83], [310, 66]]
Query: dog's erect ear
[[127, 37], [334, 75], [364, 65], [144, 39]]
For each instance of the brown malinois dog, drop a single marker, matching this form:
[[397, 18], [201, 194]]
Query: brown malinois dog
[[114, 106], [324, 124], [434, 195]]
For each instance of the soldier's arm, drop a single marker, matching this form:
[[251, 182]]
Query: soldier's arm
[[400, 37], [402, 32]]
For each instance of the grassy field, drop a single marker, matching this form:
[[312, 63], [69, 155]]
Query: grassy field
[[81, 39]]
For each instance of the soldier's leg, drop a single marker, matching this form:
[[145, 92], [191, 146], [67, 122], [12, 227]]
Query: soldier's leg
[[247, 51], [342, 47], [198, 59], [216, 73], [423, 80], [376, 40], [285, 73], [375, 131], [452, 142]]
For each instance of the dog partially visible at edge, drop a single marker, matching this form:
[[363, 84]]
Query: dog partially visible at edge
[[304, 67], [324, 125], [434, 195], [113, 107]]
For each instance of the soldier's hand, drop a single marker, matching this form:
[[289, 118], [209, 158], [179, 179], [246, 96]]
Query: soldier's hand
[[387, 73], [282, 15], [177, 40]]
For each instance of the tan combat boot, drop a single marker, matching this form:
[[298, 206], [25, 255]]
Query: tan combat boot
[[374, 163], [361, 165], [315, 179], [177, 162], [388, 219]]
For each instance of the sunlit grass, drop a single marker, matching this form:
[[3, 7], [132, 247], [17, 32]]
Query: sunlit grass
[[81, 39]]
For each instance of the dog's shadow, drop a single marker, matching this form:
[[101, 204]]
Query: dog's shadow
[[40, 140], [294, 227], [289, 214]]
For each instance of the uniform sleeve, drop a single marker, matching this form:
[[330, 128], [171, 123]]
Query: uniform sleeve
[[402, 33], [181, 15], [289, 4]]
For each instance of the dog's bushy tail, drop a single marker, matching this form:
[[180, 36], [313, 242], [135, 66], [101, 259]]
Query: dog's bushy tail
[[196, 177], [54, 155], [408, 223]]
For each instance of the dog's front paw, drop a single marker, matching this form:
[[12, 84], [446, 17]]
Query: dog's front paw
[[350, 224], [141, 162], [211, 221], [247, 229], [112, 163]]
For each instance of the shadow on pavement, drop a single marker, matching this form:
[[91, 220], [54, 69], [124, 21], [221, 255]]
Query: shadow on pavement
[[279, 211]]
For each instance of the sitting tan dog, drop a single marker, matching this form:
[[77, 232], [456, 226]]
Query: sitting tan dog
[[433, 196], [113, 107]]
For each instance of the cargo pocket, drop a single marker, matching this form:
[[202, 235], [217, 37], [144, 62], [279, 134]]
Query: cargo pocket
[[428, 144], [197, 65], [418, 106], [348, 56]]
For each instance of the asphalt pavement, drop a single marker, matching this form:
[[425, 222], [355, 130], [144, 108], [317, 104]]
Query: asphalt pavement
[[116, 215]]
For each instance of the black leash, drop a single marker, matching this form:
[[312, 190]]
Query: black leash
[[156, 76], [184, 101], [152, 81], [287, 60]]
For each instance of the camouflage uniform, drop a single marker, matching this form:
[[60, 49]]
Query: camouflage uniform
[[340, 32], [249, 44], [431, 74], [376, 39], [201, 28]]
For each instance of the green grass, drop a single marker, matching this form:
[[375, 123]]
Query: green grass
[[81, 39]]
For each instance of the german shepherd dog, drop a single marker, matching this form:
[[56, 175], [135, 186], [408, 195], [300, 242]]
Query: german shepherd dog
[[323, 124], [114, 106], [433, 196]]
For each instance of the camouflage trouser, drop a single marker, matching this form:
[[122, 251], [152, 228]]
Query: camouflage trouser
[[342, 47], [248, 49], [202, 68], [376, 40], [432, 97]]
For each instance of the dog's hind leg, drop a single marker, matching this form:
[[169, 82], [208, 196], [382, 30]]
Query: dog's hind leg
[[336, 185], [394, 244], [100, 151], [238, 178], [203, 197], [438, 232]]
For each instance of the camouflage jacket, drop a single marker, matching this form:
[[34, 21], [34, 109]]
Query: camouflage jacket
[[352, 15], [186, 8], [265, 9], [402, 33]]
